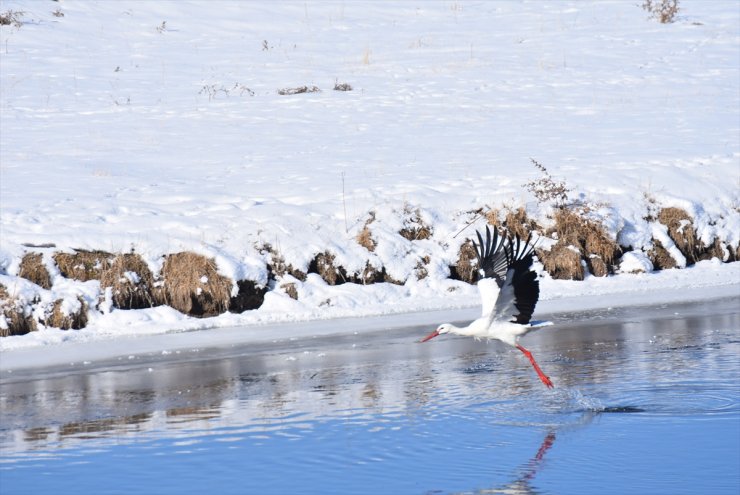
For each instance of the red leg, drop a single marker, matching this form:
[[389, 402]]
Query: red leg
[[545, 379]]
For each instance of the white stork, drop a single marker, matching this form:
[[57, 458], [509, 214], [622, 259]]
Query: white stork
[[509, 290]]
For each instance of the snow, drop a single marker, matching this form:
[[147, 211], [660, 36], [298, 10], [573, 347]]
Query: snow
[[157, 127], [635, 262]]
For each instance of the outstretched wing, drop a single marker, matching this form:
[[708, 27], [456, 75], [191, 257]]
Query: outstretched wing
[[491, 256], [521, 289]]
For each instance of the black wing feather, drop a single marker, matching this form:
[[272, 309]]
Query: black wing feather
[[492, 256], [524, 279], [496, 258]]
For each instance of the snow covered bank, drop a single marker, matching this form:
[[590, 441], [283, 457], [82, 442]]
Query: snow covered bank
[[377, 308], [158, 128]]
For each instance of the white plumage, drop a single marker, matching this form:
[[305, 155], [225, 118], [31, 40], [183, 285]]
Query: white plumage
[[509, 291]]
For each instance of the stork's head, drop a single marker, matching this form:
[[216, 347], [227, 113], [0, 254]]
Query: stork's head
[[443, 328]]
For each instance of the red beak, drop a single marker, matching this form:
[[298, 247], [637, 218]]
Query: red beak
[[430, 336]]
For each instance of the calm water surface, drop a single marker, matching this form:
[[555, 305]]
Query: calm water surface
[[647, 401]]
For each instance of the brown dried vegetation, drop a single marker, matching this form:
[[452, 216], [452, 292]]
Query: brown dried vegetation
[[365, 239], [277, 265], [680, 227], [18, 323], [682, 233], [517, 222], [58, 319], [32, 268], [192, 285], [83, 265], [131, 281], [465, 268], [324, 265], [290, 289], [562, 262], [414, 228], [664, 11], [590, 238]]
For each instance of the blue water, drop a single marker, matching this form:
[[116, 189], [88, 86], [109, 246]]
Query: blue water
[[647, 401]]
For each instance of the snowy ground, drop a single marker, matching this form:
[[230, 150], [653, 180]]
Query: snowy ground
[[157, 127]]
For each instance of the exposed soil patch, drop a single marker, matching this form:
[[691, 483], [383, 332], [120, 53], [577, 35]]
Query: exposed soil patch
[[250, 296]]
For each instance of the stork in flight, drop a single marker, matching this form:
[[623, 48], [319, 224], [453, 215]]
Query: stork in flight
[[509, 290]]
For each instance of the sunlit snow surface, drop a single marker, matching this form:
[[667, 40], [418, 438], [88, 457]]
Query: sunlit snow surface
[[128, 125]]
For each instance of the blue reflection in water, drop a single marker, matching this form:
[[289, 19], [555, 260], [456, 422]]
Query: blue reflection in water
[[640, 406]]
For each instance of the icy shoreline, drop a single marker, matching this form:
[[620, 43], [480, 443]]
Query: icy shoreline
[[52, 347]]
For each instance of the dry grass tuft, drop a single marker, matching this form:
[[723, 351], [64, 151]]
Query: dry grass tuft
[[465, 268], [58, 319], [681, 230], [365, 239], [83, 265], [682, 233], [660, 257], [420, 270], [587, 236], [298, 90], [278, 267], [324, 265], [290, 289], [369, 275], [250, 296], [18, 323], [131, 281], [664, 11], [192, 285], [12, 18], [414, 228], [562, 262], [596, 266], [517, 222], [717, 250], [342, 86], [32, 268]]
